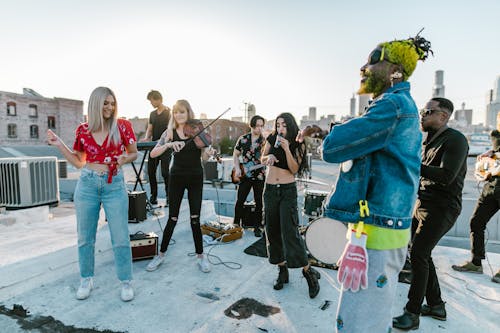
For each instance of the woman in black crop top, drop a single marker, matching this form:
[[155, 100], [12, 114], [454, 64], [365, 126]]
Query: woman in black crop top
[[186, 172], [285, 158]]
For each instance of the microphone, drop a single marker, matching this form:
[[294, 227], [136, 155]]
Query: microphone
[[277, 143]]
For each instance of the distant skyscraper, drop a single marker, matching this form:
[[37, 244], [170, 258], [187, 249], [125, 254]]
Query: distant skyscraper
[[438, 89], [352, 112], [312, 113], [250, 111], [493, 106], [363, 103], [463, 116]]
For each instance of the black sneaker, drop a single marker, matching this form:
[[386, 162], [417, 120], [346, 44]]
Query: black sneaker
[[407, 321], [257, 232], [153, 200], [435, 311]]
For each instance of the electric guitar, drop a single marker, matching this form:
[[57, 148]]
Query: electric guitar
[[246, 171], [486, 167]]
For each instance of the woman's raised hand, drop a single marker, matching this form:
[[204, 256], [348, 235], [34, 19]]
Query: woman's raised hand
[[53, 139]]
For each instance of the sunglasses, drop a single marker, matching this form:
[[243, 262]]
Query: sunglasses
[[428, 112], [376, 56]]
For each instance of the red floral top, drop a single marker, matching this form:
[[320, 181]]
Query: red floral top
[[105, 153]]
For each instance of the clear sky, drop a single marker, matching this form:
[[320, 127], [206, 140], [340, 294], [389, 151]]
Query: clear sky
[[279, 55]]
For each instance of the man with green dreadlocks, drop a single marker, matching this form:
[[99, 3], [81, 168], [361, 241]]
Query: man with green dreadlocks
[[377, 186]]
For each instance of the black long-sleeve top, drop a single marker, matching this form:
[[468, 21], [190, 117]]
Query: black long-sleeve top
[[443, 169]]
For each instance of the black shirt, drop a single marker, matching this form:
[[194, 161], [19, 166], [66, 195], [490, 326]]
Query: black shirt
[[443, 169], [188, 160], [159, 122], [278, 152]]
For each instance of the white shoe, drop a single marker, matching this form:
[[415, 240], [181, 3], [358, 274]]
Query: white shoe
[[86, 285], [153, 264], [204, 264], [127, 293]]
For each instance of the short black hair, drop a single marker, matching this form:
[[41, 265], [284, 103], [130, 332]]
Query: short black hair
[[444, 103], [253, 121], [154, 94]]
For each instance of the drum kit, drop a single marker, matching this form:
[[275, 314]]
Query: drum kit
[[324, 237]]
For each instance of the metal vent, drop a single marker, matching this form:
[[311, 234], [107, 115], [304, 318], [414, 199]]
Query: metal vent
[[28, 181]]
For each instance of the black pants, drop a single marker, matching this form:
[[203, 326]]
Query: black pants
[[284, 243], [430, 223], [243, 189], [487, 205], [194, 186], [152, 165]]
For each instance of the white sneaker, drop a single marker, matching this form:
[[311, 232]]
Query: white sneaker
[[153, 264], [127, 293], [86, 285], [204, 264]]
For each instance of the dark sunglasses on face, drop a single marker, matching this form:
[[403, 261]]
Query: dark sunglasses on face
[[375, 57], [427, 112]]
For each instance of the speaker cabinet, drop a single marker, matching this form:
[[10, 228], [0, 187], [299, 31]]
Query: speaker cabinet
[[137, 206]]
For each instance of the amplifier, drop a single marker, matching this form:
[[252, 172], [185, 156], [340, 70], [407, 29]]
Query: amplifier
[[226, 232], [144, 246], [249, 215], [137, 206]]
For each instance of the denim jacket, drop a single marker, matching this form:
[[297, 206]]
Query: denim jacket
[[385, 148]]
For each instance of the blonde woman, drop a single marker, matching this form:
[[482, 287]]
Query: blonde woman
[[186, 173], [101, 147]]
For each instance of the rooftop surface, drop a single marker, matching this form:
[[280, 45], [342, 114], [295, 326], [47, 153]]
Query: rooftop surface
[[39, 272]]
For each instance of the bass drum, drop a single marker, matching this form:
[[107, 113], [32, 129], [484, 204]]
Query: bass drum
[[326, 239]]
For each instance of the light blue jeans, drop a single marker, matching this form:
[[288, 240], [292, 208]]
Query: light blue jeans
[[91, 191], [370, 310]]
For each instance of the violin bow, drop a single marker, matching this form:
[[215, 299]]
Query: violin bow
[[210, 124], [204, 128]]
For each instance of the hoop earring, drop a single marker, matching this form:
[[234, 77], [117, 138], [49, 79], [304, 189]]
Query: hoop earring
[[396, 76]]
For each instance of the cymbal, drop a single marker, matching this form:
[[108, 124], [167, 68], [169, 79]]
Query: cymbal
[[311, 181]]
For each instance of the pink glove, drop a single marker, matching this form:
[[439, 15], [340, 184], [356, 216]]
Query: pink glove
[[353, 264]]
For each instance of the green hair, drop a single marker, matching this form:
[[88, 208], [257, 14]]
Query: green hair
[[406, 53]]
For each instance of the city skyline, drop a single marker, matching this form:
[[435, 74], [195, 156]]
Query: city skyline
[[281, 56]]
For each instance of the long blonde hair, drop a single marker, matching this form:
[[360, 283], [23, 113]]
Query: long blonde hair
[[172, 124], [95, 118]]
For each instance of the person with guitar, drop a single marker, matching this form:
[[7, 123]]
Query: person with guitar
[[249, 173], [286, 157], [487, 206], [158, 122]]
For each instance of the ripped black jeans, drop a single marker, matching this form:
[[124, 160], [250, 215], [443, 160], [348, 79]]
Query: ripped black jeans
[[177, 185], [284, 243]]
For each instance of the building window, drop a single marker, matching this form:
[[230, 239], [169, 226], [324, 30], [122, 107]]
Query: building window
[[12, 130], [34, 131], [51, 122], [33, 111], [11, 109]]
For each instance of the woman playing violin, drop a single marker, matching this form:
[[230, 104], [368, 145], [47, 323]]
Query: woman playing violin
[[186, 172]]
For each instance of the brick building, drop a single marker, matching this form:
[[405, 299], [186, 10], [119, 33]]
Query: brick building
[[25, 118]]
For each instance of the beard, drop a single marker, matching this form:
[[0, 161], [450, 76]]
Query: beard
[[375, 84]]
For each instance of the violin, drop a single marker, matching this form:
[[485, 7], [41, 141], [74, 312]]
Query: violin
[[194, 129]]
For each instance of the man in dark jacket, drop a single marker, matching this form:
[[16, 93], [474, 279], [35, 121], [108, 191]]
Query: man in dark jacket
[[487, 205], [442, 173]]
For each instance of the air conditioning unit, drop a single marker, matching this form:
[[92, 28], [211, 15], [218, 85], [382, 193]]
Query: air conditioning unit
[[28, 182]]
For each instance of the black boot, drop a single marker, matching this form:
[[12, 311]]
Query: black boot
[[282, 278], [312, 277], [435, 311], [407, 321]]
